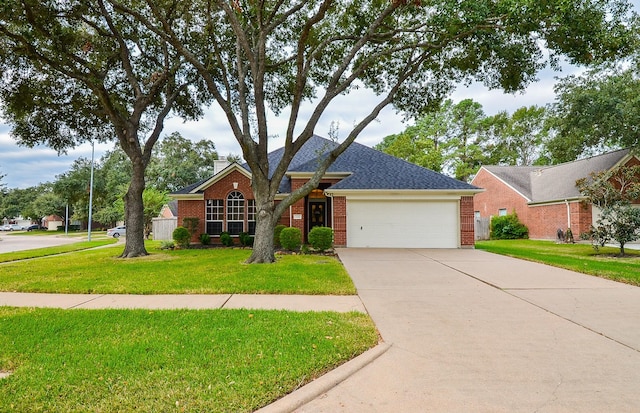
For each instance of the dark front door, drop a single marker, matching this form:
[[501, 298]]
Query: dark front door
[[317, 214]]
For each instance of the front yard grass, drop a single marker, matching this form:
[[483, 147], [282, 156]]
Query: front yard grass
[[190, 271], [164, 361], [577, 257]]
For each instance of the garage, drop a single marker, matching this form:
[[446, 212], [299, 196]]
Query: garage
[[402, 224]]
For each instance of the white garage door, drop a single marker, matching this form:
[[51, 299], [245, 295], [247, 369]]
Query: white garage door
[[406, 224]]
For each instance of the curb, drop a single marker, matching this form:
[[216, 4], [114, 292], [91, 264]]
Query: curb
[[322, 384]]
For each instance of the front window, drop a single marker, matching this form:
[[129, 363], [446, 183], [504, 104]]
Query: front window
[[235, 213], [214, 216], [502, 212]]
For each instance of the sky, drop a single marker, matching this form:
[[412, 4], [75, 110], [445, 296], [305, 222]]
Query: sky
[[23, 167]]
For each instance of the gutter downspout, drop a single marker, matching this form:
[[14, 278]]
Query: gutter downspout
[[568, 214]]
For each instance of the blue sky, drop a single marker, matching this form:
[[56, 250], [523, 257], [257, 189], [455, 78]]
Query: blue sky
[[24, 167]]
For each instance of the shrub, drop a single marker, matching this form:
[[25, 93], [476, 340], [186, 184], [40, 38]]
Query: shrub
[[321, 238], [291, 238], [276, 235], [191, 223], [167, 245], [226, 239], [205, 239], [508, 227], [245, 239], [182, 237]]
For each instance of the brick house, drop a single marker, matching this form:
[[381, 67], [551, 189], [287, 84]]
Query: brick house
[[369, 198], [544, 197]]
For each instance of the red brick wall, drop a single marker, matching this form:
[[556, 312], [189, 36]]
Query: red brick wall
[[191, 209], [221, 189], [497, 195], [340, 221], [545, 220], [467, 224]]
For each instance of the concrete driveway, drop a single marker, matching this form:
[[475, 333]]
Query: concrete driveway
[[475, 332], [10, 243]]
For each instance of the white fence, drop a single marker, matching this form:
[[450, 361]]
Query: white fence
[[163, 228]]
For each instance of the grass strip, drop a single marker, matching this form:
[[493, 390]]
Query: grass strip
[[61, 249], [582, 258], [190, 271], [187, 361]]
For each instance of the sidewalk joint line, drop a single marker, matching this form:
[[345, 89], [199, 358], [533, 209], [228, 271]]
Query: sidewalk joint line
[[226, 301], [86, 302]]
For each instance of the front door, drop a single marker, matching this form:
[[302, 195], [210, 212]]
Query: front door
[[317, 214]]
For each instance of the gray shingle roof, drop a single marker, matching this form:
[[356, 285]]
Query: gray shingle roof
[[518, 177], [557, 182], [372, 169], [368, 169]]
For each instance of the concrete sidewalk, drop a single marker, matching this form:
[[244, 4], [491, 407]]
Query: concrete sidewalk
[[470, 331], [194, 301]]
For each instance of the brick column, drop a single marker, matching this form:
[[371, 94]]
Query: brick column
[[467, 225], [340, 221]]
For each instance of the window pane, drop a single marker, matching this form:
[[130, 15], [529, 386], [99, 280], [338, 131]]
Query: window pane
[[235, 227], [214, 228]]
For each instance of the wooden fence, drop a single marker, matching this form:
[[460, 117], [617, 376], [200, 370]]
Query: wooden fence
[[163, 228], [482, 228]]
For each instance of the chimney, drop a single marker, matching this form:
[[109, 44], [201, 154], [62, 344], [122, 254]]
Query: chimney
[[220, 164]]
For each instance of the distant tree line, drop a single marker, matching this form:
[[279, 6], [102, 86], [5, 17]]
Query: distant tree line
[[593, 113], [176, 162]]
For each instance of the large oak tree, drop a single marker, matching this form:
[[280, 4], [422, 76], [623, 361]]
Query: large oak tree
[[77, 71]]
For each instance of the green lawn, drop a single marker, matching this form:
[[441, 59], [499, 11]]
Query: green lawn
[[165, 361], [577, 257], [191, 271], [170, 360]]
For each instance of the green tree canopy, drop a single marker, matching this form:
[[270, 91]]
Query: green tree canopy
[[459, 138], [76, 71], [595, 112], [178, 162]]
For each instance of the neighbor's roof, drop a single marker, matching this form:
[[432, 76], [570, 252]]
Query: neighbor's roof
[[367, 169], [557, 182], [518, 177]]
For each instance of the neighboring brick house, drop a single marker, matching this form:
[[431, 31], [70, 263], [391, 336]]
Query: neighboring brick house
[[369, 198], [544, 197]]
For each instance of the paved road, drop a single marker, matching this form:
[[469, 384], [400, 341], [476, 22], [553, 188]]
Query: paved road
[[476, 332], [11, 242]]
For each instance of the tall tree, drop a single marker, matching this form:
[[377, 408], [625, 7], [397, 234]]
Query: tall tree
[[178, 162], [76, 71], [517, 138], [451, 139], [595, 112], [254, 56]]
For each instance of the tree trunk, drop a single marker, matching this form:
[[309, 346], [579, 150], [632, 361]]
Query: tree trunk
[[263, 248], [134, 215]]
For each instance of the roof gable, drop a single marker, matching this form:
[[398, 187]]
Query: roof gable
[[516, 177]]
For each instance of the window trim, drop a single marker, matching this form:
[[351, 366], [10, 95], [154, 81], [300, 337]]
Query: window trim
[[236, 208]]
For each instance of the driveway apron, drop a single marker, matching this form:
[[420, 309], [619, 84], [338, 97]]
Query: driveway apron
[[472, 331]]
